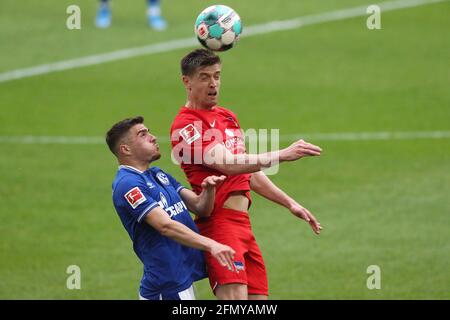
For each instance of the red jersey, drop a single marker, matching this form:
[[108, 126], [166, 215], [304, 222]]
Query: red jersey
[[195, 131]]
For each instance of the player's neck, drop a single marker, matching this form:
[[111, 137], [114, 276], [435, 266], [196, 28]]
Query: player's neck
[[135, 164], [197, 106]]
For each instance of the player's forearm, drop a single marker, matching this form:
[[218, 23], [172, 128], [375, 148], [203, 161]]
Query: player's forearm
[[185, 236], [262, 185], [249, 163]]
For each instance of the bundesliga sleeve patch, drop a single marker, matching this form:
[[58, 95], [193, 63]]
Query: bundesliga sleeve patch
[[189, 133], [135, 197]]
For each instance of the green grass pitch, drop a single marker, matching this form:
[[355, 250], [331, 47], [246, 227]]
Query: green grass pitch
[[381, 202]]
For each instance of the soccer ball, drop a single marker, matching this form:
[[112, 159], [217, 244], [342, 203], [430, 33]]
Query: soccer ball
[[218, 27]]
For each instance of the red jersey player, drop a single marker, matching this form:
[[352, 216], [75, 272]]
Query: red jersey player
[[207, 140]]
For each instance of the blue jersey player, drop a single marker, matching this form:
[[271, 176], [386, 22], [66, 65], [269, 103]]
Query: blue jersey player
[[154, 17], [153, 208]]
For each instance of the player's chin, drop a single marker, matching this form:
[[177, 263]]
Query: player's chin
[[212, 100], [156, 155], [211, 104]]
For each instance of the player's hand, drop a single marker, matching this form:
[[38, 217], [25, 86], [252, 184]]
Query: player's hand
[[299, 149], [304, 214], [224, 254], [212, 182]]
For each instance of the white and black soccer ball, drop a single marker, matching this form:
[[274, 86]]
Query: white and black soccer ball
[[218, 27]]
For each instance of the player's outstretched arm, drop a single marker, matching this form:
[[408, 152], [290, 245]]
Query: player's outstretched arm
[[177, 231], [202, 205], [262, 185], [221, 159]]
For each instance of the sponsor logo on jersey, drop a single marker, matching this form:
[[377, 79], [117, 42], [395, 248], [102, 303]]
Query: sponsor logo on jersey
[[189, 133], [174, 210], [229, 132], [135, 197], [234, 141]]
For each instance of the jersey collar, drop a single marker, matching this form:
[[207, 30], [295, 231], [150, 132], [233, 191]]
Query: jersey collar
[[122, 166]]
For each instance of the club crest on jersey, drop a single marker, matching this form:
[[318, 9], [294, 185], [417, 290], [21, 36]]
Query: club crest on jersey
[[163, 178], [189, 133], [135, 197]]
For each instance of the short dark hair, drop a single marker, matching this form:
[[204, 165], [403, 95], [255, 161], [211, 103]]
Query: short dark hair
[[196, 59], [119, 130]]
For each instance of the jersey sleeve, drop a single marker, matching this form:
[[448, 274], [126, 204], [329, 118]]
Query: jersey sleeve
[[190, 138], [132, 194]]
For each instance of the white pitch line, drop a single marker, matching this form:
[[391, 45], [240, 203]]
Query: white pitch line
[[342, 136], [358, 136], [332, 16], [191, 42]]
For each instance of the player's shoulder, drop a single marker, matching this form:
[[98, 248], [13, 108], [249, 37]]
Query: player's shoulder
[[126, 179], [190, 121], [225, 111], [184, 118], [186, 113]]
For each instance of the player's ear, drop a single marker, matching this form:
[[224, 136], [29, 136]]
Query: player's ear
[[187, 82], [124, 149]]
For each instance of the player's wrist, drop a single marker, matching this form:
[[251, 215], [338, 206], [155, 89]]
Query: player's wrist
[[209, 188], [288, 202], [292, 205], [209, 245], [281, 154], [269, 159], [207, 195]]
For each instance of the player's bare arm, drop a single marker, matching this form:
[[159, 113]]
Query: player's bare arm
[[159, 220], [262, 185], [221, 159], [202, 205]]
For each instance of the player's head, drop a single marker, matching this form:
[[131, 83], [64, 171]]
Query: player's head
[[130, 140], [200, 71]]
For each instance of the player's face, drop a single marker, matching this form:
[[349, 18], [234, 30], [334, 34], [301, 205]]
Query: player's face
[[204, 85], [143, 144]]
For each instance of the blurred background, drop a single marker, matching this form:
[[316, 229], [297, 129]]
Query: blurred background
[[376, 101]]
